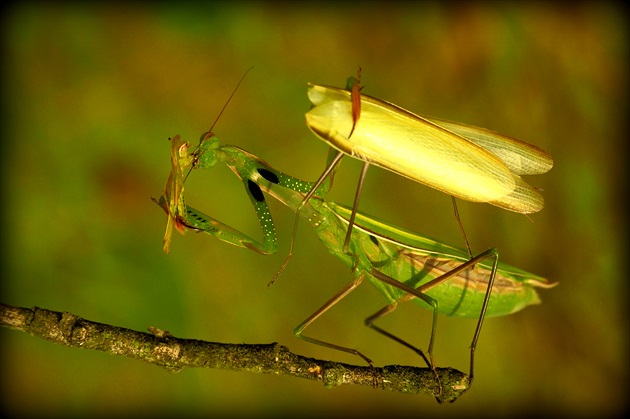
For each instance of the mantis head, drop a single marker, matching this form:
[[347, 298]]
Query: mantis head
[[206, 153]]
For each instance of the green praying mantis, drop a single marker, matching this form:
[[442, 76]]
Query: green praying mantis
[[463, 161], [401, 264]]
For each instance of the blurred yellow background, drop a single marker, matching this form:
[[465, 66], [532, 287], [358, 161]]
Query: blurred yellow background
[[92, 92]]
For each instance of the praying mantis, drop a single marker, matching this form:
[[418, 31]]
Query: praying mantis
[[461, 160], [401, 264]]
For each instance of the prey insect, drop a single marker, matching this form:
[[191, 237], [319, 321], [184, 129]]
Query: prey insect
[[464, 161], [182, 160], [174, 189], [401, 264]]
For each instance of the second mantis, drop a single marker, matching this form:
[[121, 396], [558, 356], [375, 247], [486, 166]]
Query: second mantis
[[464, 161]]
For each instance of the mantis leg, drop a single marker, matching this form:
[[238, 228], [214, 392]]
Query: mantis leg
[[355, 207], [199, 221], [389, 309], [420, 292], [334, 158], [461, 226], [324, 308]]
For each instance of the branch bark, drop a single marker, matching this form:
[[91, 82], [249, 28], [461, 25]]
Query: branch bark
[[172, 353]]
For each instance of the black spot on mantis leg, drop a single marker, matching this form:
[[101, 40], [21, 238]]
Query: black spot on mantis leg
[[255, 191], [269, 176]]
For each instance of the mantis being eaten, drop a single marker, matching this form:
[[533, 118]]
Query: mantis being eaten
[[401, 264]]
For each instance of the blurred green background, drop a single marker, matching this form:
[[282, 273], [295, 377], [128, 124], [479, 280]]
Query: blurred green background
[[92, 92]]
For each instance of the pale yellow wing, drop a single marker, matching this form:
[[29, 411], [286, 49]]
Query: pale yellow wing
[[524, 198], [520, 157]]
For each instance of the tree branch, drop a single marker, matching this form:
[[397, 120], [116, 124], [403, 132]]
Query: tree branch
[[162, 349]]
